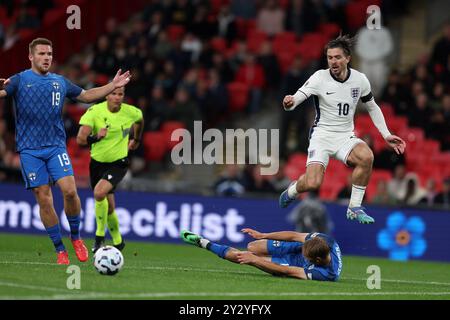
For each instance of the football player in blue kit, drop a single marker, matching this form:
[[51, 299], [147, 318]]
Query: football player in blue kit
[[307, 256], [41, 139]]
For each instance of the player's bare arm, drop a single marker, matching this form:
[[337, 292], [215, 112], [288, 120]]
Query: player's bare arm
[[245, 257], [3, 83], [94, 94], [85, 132], [138, 130], [281, 235]]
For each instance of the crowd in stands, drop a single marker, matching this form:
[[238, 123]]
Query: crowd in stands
[[423, 94], [17, 17], [189, 59]]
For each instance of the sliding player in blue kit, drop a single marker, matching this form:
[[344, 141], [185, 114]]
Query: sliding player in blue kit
[[305, 256], [41, 139]]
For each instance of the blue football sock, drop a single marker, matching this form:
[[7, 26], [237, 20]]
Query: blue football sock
[[74, 222], [218, 249], [55, 236]]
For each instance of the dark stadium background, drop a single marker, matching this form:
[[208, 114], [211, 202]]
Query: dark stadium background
[[229, 63]]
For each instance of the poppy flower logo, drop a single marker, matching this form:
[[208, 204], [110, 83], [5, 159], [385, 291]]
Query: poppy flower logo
[[403, 237]]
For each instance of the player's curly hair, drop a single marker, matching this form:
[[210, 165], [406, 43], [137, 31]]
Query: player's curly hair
[[345, 42]]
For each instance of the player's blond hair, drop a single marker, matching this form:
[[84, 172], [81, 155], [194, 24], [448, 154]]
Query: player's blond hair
[[37, 41]]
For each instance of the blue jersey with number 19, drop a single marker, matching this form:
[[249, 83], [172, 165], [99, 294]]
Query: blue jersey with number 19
[[38, 103]]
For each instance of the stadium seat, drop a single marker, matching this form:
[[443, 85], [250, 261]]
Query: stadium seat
[[416, 160], [216, 5], [337, 171], [155, 145], [388, 110], [285, 59], [65, 3], [241, 26], [364, 124], [75, 112], [175, 32], [231, 50], [398, 124], [298, 159], [81, 163], [25, 33], [101, 79], [218, 44], [414, 134], [73, 148], [238, 94], [330, 30], [330, 189], [167, 128], [378, 141], [284, 4], [315, 39], [250, 25], [293, 171], [281, 46], [309, 51], [379, 175], [442, 161], [356, 14], [285, 38], [5, 20], [255, 38], [413, 137], [52, 16], [430, 172], [431, 147]]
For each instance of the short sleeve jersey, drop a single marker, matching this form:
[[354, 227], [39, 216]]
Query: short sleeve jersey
[[114, 145], [335, 100], [38, 101]]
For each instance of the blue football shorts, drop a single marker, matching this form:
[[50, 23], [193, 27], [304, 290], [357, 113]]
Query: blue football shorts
[[44, 166], [286, 253]]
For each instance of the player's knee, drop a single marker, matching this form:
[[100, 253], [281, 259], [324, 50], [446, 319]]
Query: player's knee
[[43, 197], [313, 183], [251, 246], [257, 246], [70, 194], [366, 158], [99, 194]]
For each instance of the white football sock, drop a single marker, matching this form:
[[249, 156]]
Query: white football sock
[[292, 191], [357, 196], [204, 242]]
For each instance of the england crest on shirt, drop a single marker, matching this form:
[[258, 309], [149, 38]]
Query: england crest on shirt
[[354, 92]]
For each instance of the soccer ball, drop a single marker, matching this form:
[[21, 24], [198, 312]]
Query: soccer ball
[[108, 260]]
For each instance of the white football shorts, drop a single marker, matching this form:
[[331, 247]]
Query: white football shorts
[[324, 145]]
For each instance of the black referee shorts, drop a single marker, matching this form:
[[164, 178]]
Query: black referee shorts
[[110, 171]]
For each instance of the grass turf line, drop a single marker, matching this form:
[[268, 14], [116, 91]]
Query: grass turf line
[[169, 271]]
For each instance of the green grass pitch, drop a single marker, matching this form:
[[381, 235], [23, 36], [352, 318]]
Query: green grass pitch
[[181, 272]]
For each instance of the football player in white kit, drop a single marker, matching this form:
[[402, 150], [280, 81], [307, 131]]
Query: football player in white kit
[[336, 92]]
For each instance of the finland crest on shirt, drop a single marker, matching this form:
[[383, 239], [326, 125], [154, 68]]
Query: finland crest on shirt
[[335, 100]]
